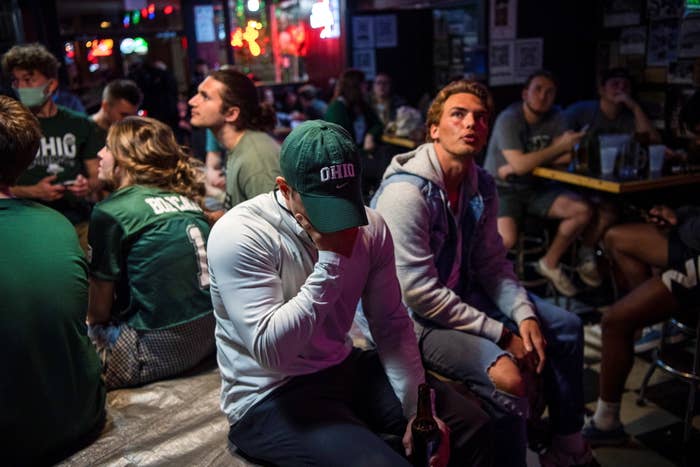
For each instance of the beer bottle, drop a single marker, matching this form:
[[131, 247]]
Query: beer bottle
[[424, 429]]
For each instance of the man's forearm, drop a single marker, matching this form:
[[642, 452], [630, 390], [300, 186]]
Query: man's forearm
[[524, 163], [23, 191]]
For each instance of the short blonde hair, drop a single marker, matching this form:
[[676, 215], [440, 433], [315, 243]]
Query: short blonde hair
[[457, 87], [147, 150]]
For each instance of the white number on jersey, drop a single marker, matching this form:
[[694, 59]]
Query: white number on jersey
[[197, 240]]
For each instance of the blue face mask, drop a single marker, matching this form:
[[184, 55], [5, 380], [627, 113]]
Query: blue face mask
[[33, 97]]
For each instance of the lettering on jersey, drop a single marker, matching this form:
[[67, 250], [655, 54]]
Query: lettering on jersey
[[54, 150], [687, 280], [337, 172], [175, 203]]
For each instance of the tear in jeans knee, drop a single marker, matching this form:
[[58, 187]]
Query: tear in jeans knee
[[513, 404]]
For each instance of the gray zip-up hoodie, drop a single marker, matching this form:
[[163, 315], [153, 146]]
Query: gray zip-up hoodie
[[434, 247]]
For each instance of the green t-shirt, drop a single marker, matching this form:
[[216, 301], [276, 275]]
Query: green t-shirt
[[251, 167], [51, 393], [152, 243], [68, 140]]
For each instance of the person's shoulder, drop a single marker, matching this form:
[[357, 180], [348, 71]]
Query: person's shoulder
[[252, 222], [511, 114], [70, 114], [35, 210]]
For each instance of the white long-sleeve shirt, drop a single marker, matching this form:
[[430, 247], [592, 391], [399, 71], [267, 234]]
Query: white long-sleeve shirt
[[284, 309]]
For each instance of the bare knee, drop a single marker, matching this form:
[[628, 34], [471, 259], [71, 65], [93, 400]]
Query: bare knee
[[612, 239], [505, 375], [581, 212], [508, 229]]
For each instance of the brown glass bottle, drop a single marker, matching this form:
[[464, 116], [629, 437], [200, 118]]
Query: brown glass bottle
[[424, 429]]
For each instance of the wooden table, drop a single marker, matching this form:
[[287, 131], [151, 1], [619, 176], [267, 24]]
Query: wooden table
[[613, 185]]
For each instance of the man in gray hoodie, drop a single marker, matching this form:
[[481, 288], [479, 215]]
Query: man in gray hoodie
[[474, 320]]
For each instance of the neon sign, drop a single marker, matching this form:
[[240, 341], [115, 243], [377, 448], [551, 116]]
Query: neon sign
[[323, 15], [249, 35]]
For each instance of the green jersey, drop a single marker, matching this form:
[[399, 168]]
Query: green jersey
[[152, 244], [68, 140], [51, 393]]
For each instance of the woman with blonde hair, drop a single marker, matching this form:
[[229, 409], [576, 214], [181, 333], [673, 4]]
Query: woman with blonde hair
[[149, 310]]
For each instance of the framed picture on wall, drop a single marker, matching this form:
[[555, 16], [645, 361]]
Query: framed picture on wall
[[662, 45], [362, 32], [501, 66], [528, 57], [622, 13], [633, 41]]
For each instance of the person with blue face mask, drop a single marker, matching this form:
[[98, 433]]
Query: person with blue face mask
[[64, 172]]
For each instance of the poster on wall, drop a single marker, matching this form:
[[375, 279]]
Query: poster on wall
[[385, 34], [501, 70], [527, 57], [503, 17], [664, 9], [362, 32], [663, 42], [204, 23], [363, 59], [681, 72], [633, 41], [689, 38], [622, 13]]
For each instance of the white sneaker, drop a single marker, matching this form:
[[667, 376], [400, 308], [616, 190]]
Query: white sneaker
[[587, 270], [557, 277]]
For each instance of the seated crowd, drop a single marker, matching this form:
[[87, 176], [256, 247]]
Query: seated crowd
[[274, 280]]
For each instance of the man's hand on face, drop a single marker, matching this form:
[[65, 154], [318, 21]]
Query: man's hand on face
[[626, 100], [341, 242]]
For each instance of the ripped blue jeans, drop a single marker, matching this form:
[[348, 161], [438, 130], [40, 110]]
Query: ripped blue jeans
[[467, 358]]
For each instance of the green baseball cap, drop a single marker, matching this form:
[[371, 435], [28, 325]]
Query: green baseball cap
[[320, 161]]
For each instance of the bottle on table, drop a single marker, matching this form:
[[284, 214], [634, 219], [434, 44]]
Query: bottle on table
[[424, 429]]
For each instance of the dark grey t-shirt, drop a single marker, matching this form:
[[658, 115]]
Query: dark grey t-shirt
[[511, 131], [584, 113]]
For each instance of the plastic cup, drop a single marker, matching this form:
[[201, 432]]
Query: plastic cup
[[656, 157], [608, 156]]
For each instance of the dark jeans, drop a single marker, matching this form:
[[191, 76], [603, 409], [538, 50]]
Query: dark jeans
[[333, 418]]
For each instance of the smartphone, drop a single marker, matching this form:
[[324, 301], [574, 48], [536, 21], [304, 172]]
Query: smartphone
[[68, 182]]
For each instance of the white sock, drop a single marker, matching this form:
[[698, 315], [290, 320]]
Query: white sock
[[607, 415], [573, 444]]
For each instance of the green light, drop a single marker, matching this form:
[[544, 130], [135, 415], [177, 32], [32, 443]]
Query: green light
[[140, 46], [136, 17]]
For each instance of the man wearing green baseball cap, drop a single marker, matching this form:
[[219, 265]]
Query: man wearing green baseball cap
[[288, 269]]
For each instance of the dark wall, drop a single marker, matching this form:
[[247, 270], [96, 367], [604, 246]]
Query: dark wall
[[570, 34], [410, 64]]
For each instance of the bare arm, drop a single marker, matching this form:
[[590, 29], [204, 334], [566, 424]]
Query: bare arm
[[100, 301], [43, 190], [523, 163], [642, 124]]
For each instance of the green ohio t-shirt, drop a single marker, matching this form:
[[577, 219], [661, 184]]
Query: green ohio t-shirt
[[68, 140], [152, 244], [51, 393]]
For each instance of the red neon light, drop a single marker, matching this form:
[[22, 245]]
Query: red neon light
[[168, 9]]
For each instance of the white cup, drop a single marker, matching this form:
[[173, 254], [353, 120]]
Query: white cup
[[608, 156], [656, 157]]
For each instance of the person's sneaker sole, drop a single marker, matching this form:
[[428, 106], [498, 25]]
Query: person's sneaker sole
[[596, 437]]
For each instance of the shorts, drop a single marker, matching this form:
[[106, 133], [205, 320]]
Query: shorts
[[681, 279], [132, 357], [517, 202]]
